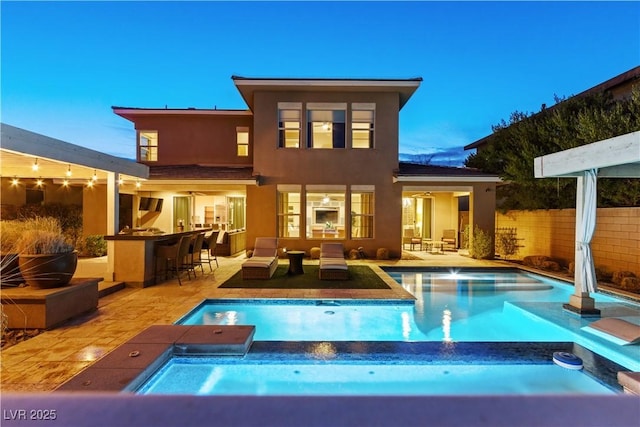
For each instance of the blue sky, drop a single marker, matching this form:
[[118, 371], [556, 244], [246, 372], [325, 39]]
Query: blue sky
[[64, 64]]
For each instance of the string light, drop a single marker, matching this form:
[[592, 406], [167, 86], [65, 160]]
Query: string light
[[35, 166], [69, 171], [95, 176], [39, 182], [15, 181], [89, 183], [65, 182]]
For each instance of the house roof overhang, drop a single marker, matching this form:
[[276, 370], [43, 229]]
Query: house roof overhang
[[21, 147], [248, 86], [617, 157], [130, 113], [412, 172], [193, 176]]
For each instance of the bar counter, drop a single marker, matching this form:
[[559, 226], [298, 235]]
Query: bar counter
[[135, 254]]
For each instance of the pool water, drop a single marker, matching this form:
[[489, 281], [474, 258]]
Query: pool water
[[223, 377], [468, 332], [386, 368]]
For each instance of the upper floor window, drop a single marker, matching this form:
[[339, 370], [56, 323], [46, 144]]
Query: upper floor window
[[326, 125], [148, 146], [242, 140], [362, 120], [289, 115]]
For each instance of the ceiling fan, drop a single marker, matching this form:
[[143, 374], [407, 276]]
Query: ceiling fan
[[422, 194]]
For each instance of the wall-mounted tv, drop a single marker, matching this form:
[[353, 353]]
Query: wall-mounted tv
[[324, 215], [150, 204]]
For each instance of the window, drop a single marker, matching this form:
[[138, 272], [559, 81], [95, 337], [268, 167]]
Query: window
[[362, 118], [289, 114], [325, 212], [242, 140], [362, 203], [148, 146], [326, 125], [289, 211]]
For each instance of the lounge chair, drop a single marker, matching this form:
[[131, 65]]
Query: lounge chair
[[332, 263], [264, 261]]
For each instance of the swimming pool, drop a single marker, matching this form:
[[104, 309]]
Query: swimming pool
[[391, 369], [467, 305]]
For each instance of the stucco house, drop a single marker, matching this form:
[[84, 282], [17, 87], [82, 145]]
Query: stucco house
[[309, 160]]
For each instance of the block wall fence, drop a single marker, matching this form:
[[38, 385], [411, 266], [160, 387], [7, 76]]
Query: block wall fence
[[615, 244]]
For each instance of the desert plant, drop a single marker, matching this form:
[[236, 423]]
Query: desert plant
[[42, 236], [506, 242], [481, 245], [38, 242]]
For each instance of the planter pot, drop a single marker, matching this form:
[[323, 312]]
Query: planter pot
[[10, 271], [48, 270]]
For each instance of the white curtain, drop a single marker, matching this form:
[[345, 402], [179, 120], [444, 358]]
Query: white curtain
[[587, 227]]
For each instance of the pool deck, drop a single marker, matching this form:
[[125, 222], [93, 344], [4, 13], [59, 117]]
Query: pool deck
[[49, 359], [32, 369]]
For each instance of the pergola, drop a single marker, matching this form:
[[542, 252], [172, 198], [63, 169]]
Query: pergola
[[617, 157]]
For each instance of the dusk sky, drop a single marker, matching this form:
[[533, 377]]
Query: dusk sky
[[65, 64]]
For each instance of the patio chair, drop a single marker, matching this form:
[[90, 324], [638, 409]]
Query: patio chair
[[177, 258], [264, 261], [449, 240], [332, 263], [195, 253], [209, 248]]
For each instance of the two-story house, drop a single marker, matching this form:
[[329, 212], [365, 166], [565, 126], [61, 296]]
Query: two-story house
[[310, 160]]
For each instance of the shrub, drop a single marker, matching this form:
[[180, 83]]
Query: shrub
[[42, 236], [93, 246], [481, 245]]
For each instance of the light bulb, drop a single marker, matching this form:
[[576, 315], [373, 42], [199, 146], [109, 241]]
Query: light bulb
[[95, 176], [69, 171], [35, 166]]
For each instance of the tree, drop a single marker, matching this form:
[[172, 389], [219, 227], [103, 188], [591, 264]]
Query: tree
[[570, 123]]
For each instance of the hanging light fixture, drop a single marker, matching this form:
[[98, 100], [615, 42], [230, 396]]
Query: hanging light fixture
[[65, 182], [35, 166], [15, 181], [95, 176], [39, 182], [138, 184], [89, 183], [69, 171]]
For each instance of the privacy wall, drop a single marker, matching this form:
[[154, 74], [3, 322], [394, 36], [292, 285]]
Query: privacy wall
[[615, 245]]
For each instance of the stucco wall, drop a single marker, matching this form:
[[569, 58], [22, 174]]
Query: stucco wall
[[615, 245]]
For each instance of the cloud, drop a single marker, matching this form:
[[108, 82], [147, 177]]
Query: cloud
[[442, 144]]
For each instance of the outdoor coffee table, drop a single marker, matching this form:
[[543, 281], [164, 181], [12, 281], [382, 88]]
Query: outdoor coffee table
[[295, 262]]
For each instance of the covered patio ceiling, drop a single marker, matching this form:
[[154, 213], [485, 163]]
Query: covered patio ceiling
[[21, 149]]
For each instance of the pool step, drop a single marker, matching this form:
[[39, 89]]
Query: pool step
[[129, 365]]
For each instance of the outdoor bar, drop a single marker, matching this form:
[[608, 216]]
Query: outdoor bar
[[135, 261]]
